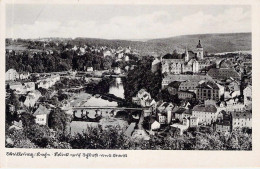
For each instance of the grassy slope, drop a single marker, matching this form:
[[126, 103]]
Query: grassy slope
[[212, 43]]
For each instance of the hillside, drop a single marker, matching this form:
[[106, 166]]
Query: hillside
[[212, 43]]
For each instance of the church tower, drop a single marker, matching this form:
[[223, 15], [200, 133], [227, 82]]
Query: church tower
[[186, 58], [199, 51]]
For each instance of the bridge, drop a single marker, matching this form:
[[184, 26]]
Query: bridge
[[108, 107]]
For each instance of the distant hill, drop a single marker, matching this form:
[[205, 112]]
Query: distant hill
[[212, 43]]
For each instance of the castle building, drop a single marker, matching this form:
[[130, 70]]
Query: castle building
[[187, 62]]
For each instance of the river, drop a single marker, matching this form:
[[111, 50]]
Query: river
[[84, 99], [117, 88]]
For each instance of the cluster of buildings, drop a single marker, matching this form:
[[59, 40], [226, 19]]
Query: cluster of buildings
[[12, 75], [29, 95], [223, 116], [190, 61], [214, 92], [119, 54], [47, 82]]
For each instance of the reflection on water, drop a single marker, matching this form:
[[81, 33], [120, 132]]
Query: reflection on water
[[93, 101], [117, 88], [86, 99]]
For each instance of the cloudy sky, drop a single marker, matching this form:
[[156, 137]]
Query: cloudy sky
[[123, 21]]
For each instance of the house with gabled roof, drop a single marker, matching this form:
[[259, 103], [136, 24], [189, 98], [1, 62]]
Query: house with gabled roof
[[31, 98], [41, 115], [209, 90], [207, 114]]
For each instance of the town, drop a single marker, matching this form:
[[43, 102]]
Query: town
[[64, 93]]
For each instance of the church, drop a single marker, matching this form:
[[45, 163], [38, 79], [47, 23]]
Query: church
[[190, 61]]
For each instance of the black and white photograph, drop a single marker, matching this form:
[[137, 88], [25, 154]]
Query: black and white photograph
[[128, 76]]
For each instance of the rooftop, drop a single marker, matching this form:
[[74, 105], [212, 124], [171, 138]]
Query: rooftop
[[209, 108]]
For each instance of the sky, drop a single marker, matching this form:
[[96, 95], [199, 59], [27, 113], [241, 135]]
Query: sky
[[123, 21]]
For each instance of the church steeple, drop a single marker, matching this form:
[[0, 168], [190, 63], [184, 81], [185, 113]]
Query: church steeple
[[186, 58], [199, 45], [199, 51]]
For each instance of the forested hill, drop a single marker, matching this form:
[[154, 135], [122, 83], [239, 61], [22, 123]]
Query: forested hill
[[212, 43]]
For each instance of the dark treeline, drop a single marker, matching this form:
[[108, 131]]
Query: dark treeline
[[114, 138], [56, 62], [141, 77]]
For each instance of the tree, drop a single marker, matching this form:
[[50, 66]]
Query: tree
[[28, 119], [17, 139], [39, 135], [58, 119], [13, 100]]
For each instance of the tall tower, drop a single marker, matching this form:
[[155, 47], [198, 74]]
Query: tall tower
[[186, 57], [199, 51]]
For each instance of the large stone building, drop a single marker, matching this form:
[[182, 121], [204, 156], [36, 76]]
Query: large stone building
[[224, 73], [181, 78], [206, 114], [209, 90], [188, 62], [241, 119]]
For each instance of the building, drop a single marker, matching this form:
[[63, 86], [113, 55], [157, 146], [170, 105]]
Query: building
[[223, 127], [164, 107], [184, 125], [206, 114], [231, 94], [209, 90], [48, 82], [24, 75], [15, 85], [247, 93], [31, 98], [224, 73], [22, 88], [224, 122], [199, 51], [41, 115], [233, 86], [182, 113], [173, 87], [107, 53], [117, 70], [186, 94], [190, 85], [182, 78], [162, 118], [194, 121], [155, 125], [126, 58], [90, 69], [143, 98], [234, 105], [156, 65], [187, 62], [241, 119], [11, 74]]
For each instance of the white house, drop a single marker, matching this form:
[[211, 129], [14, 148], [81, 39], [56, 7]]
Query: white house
[[155, 125], [241, 119], [11, 74], [117, 70], [24, 75], [90, 69], [31, 98], [207, 114], [247, 92], [41, 115]]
